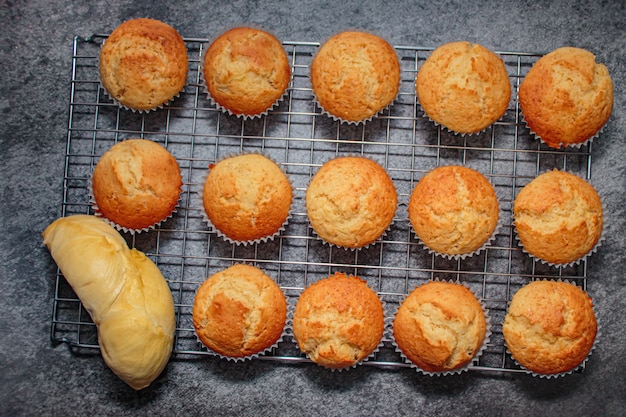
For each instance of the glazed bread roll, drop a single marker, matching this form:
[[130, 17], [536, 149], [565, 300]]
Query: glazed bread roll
[[124, 292]]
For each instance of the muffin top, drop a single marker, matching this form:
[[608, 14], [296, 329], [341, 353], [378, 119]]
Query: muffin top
[[566, 97], [550, 326], [338, 321], [351, 201], [355, 75], [440, 326], [558, 217], [143, 64], [246, 71], [239, 311], [136, 184], [453, 210], [463, 86], [247, 197]]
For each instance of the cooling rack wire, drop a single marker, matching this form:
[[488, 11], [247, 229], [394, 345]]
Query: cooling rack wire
[[300, 138]]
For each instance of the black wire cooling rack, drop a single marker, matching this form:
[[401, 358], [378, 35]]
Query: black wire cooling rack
[[300, 138]]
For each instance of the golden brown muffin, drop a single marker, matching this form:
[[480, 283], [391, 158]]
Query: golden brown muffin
[[239, 312], [453, 210], [136, 184], [440, 327], [143, 64], [247, 197], [246, 71], [355, 75], [338, 321], [558, 217], [351, 201], [550, 327], [566, 97], [464, 87]]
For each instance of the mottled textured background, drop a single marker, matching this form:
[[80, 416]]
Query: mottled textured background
[[38, 378]]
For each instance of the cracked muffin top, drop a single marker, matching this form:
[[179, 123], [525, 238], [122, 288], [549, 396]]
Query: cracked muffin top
[[246, 71], [453, 210]]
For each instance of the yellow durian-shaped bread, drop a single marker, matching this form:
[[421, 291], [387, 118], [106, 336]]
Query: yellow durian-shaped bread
[[124, 292]]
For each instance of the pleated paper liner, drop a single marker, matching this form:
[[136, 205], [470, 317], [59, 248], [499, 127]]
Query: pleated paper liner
[[224, 109], [119, 227], [376, 114], [593, 250], [461, 256], [262, 352], [349, 248], [352, 122], [578, 367], [383, 233], [461, 134], [479, 352], [140, 111], [579, 145], [227, 238]]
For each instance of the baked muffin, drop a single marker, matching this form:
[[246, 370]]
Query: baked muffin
[[143, 64], [355, 75], [351, 201], [338, 321], [136, 184], [440, 327], [247, 198], [566, 97], [550, 327], [454, 211], [558, 217], [464, 87], [246, 71], [239, 312]]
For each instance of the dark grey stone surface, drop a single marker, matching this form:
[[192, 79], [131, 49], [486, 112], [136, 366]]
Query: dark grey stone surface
[[38, 378]]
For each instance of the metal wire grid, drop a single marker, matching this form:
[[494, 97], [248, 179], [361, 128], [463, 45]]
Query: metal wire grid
[[299, 137]]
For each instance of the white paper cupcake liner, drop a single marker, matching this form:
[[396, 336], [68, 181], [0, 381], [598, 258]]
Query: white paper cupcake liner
[[383, 234], [593, 250], [218, 232], [479, 352], [118, 227], [462, 134], [562, 145], [571, 371], [134, 110], [262, 352], [352, 122], [140, 111], [349, 248], [461, 256], [218, 106], [369, 357], [557, 265], [375, 115]]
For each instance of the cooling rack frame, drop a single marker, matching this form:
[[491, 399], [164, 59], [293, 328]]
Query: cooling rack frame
[[301, 138]]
